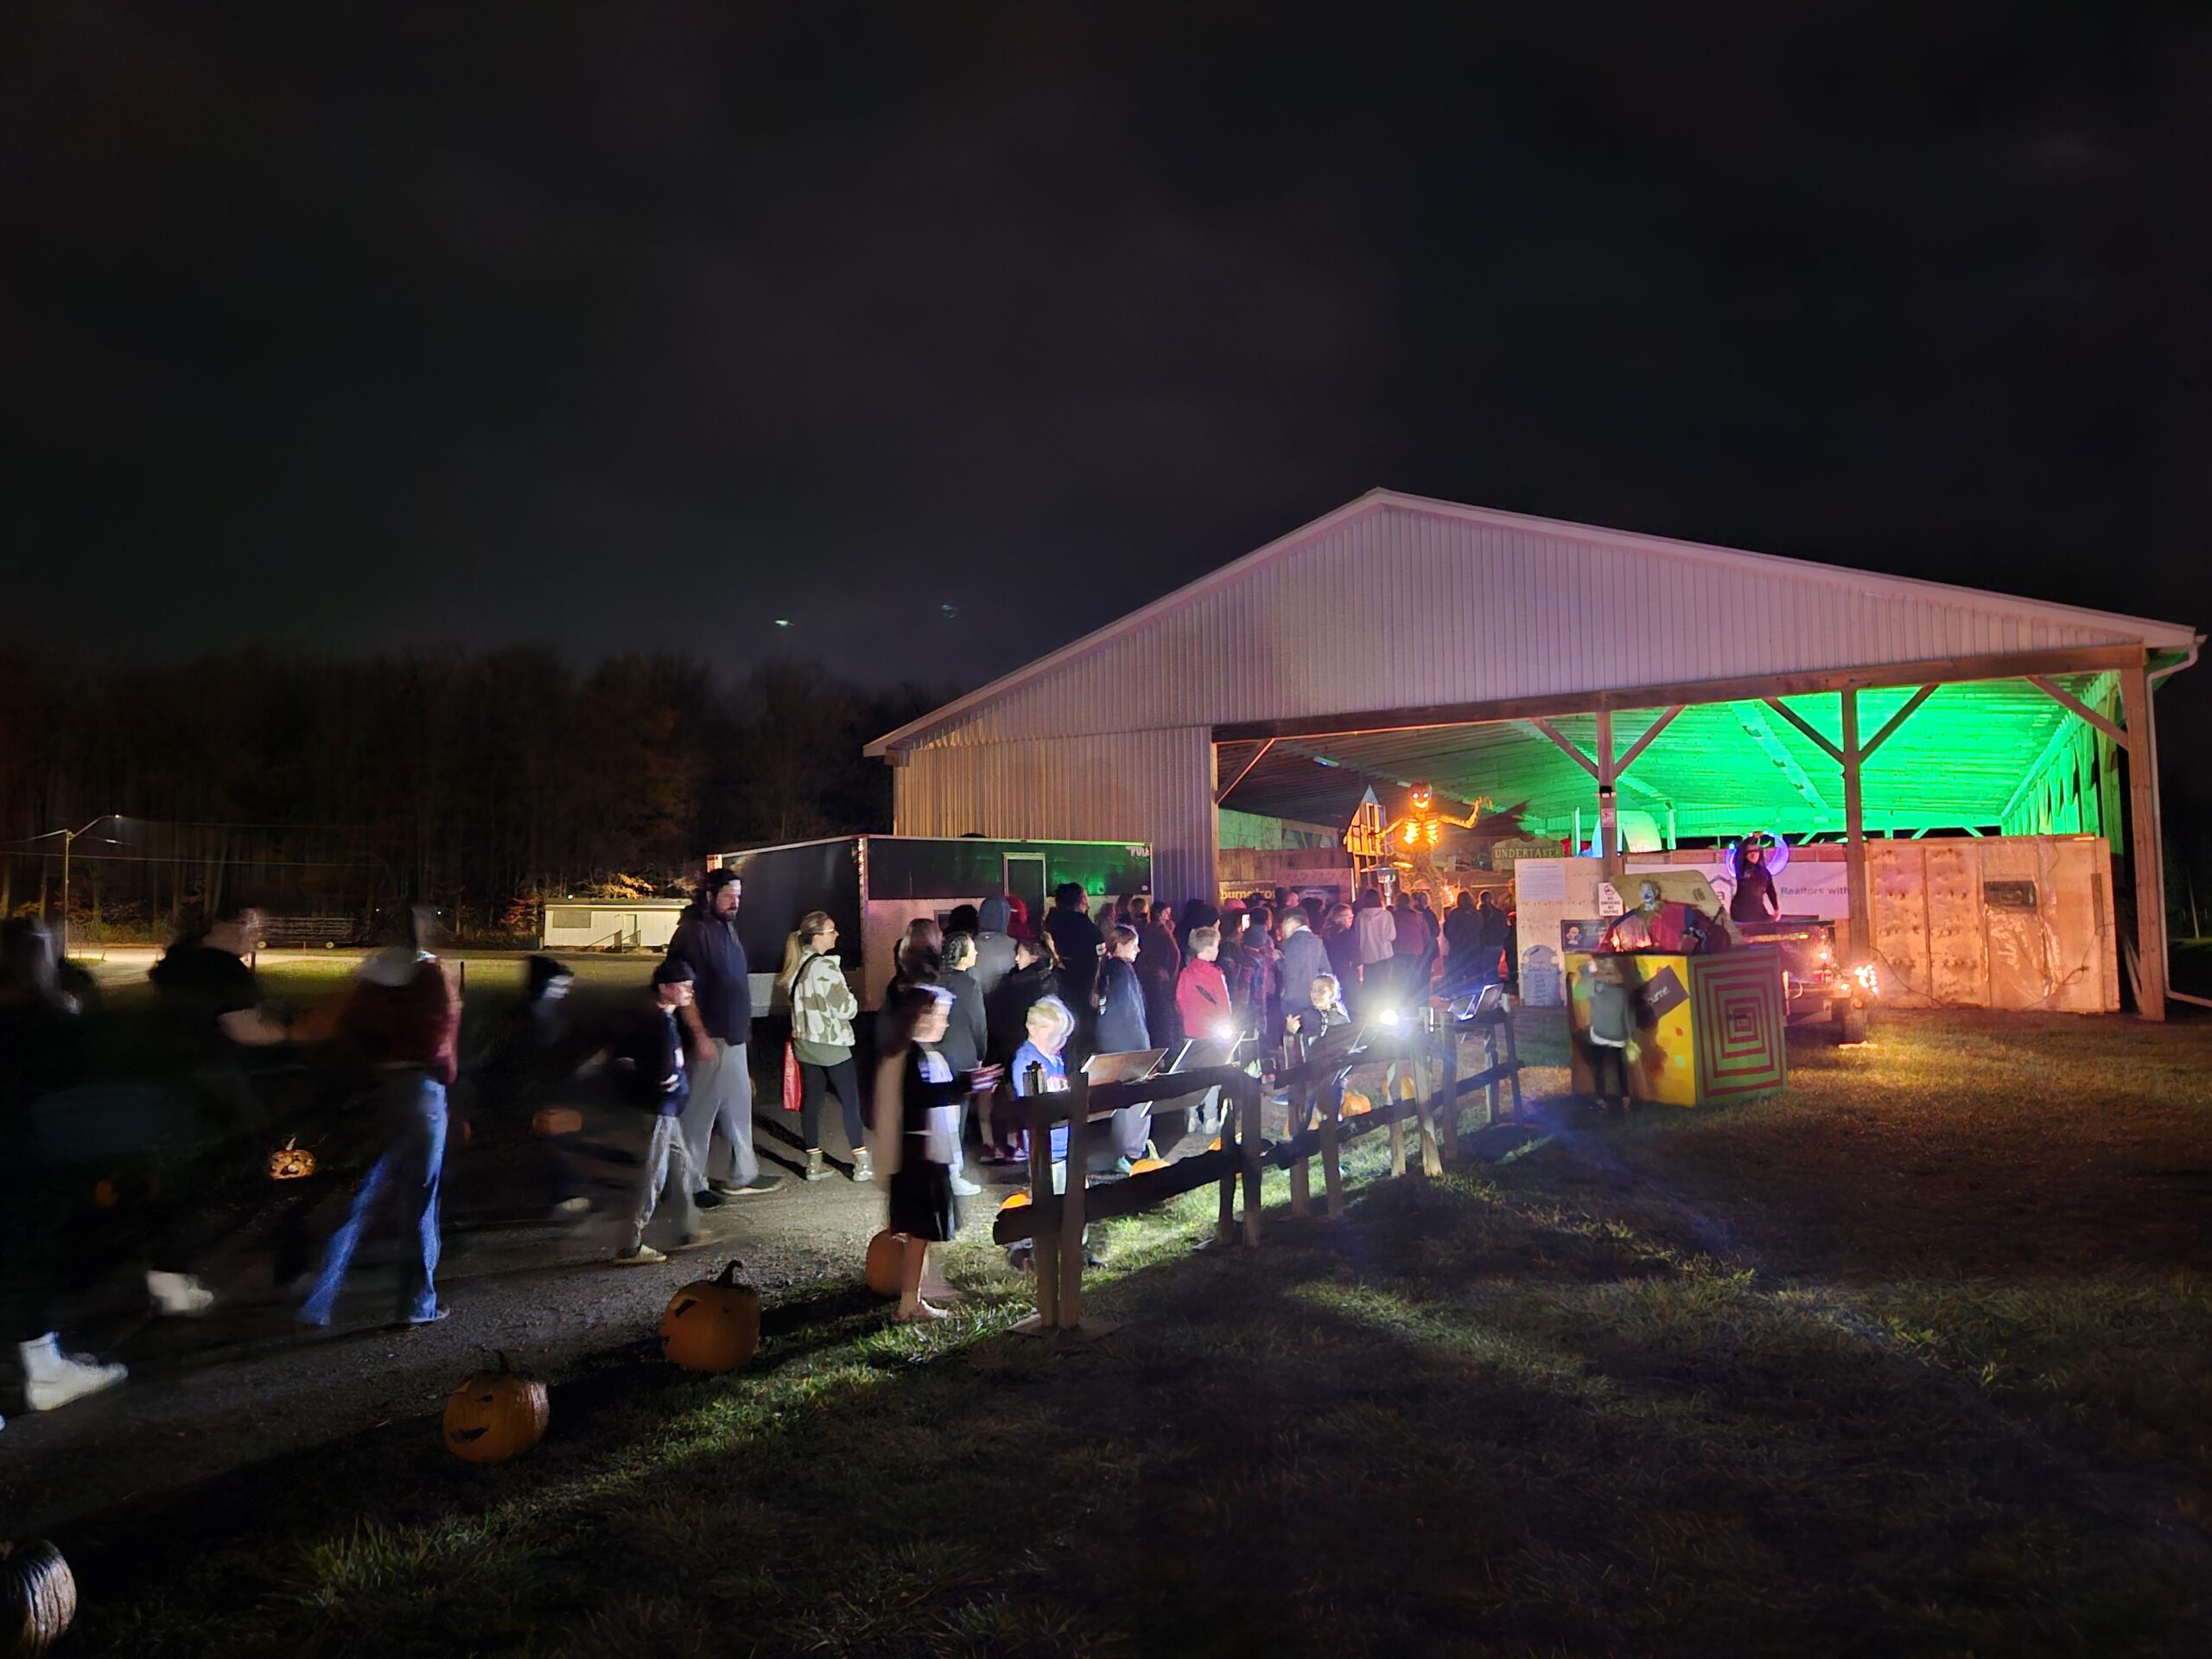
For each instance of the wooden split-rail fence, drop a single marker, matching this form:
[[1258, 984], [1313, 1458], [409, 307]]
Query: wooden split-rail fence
[[1426, 1079]]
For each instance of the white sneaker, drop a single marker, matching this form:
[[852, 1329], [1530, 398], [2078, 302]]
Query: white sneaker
[[965, 1188], [52, 1378], [179, 1295], [578, 1205]]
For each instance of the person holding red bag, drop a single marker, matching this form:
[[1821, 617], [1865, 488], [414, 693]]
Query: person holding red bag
[[822, 1005]]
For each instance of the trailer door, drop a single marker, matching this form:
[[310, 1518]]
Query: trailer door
[[1025, 880]]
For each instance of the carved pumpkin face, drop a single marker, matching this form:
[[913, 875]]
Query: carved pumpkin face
[[38, 1598], [887, 1260], [713, 1325], [495, 1415], [291, 1162]]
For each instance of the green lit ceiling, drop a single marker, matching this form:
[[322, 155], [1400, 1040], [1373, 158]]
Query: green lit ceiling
[[1959, 761]]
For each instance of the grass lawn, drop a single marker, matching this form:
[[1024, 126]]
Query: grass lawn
[[1913, 1360]]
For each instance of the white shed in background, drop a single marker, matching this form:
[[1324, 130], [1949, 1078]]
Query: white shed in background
[[610, 923]]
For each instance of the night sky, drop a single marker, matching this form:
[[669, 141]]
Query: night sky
[[639, 329]]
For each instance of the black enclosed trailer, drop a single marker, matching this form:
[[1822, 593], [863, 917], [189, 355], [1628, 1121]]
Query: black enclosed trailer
[[873, 886]]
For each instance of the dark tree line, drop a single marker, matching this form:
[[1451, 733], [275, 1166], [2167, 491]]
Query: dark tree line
[[477, 781]]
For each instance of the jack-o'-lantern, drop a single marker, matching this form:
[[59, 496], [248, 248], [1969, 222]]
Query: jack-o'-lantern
[[106, 1193], [1146, 1165], [1355, 1105], [291, 1162], [552, 1121], [1013, 1201], [712, 1325], [495, 1415], [886, 1257], [38, 1598]]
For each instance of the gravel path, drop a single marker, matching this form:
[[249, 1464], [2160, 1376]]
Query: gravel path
[[245, 1383]]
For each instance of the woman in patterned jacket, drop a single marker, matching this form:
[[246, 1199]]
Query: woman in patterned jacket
[[822, 1006]]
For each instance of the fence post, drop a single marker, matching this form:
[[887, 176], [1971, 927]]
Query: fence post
[[1424, 1101], [1331, 1103], [1044, 1245], [1449, 1073], [1079, 1179], [1301, 1097], [1393, 1076], [1247, 1120]]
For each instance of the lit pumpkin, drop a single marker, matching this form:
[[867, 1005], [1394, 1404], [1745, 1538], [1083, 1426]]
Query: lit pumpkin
[[495, 1415], [105, 1192], [552, 1121], [291, 1162], [713, 1325], [1356, 1104], [886, 1262], [1013, 1201], [1214, 1145], [1144, 1165], [38, 1598]]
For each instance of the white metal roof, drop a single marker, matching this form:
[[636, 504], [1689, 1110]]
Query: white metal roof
[[1397, 601]]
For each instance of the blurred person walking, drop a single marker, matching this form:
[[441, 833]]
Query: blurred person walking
[[917, 1100], [401, 1014], [41, 1052], [721, 1088], [965, 1044]]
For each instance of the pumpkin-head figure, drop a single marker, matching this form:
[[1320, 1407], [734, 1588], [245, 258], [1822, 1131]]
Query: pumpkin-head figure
[[495, 1415], [712, 1325]]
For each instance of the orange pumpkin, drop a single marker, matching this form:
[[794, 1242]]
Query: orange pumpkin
[[886, 1261], [38, 1597], [1013, 1201], [495, 1415], [1214, 1145], [291, 1162], [713, 1325], [1356, 1104], [552, 1121], [1144, 1165]]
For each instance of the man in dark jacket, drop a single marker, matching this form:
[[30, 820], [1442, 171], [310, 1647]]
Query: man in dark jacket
[[1122, 1030], [1078, 943], [721, 1092], [1305, 959], [994, 947]]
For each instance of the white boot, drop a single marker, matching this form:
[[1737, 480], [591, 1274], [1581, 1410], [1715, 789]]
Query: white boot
[[52, 1378], [179, 1295]]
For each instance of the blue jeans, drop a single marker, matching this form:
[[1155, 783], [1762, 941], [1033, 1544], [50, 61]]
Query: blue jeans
[[414, 1107]]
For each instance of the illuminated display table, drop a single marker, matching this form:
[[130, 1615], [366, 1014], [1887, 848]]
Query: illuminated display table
[[1709, 1029]]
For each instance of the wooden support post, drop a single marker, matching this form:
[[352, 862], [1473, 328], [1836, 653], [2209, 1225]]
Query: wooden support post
[[2145, 856], [1393, 1074], [1609, 835], [1854, 829]]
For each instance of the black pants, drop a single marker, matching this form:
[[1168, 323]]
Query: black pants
[[846, 1081], [1607, 1060]]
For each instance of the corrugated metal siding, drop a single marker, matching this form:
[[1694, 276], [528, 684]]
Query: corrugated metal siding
[[1155, 787], [1401, 607]]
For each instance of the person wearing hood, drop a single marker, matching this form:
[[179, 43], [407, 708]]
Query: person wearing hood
[[1159, 961], [722, 991], [993, 946], [401, 1014]]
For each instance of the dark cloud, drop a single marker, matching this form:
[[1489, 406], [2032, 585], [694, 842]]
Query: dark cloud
[[625, 330]]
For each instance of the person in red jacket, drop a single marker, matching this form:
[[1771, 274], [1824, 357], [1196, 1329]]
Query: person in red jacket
[[1202, 1002], [402, 1014]]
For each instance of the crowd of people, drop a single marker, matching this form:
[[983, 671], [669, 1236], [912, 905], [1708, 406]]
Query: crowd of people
[[981, 1013]]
